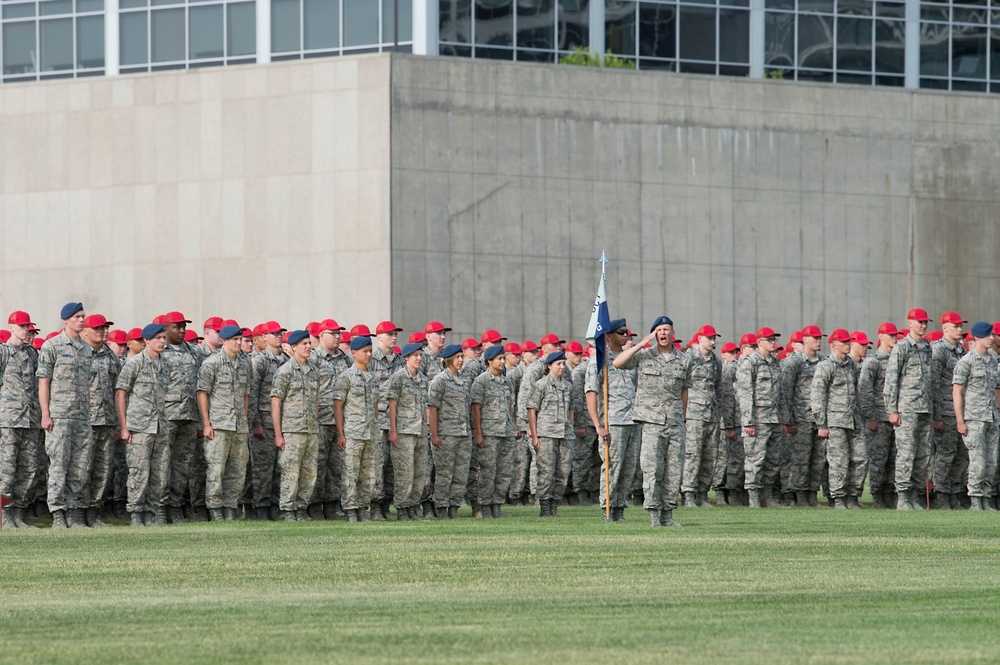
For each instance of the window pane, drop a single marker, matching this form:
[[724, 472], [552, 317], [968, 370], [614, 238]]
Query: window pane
[[854, 44], [574, 24], [697, 31], [536, 24], [658, 30], [205, 32], [56, 38], [455, 23], [19, 11], [892, 9], [889, 44], [360, 22], [619, 26], [995, 54], [405, 20], [734, 26], [779, 40], [322, 23], [55, 7], [933, 50], [89, 6], [133, 40], [816, 42], [779, 4], [977, 15], [825, 6], [18, 48], [242, 34], [494, 22], [285, 26], [90, 42], [167, 28], [855, 7], [968, 51]]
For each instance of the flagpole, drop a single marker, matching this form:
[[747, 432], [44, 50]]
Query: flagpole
[[607, 438]]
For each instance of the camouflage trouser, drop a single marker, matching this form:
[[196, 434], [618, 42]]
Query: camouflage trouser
[[199, 473], [583, 457], [914, 440], [451, 464], [555, 462], [951, 459], [99, 483], [848, 459], [263, 462], [298, 470], [148, 458], [428, 493], [19, 464], [761, 461], [69, 447], [358, 478], [661, 459], [41, 485], [721, 459], [409, 464], [982, 442], [804, 460], [226, 468], [119, 472], [524, 454], [180, 436], [385, 482], [624, 452], [505, 464], [735, 462], [326, 440], [881, 457], [701, 449]]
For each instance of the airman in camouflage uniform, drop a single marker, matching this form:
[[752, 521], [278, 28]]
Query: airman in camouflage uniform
[[493, 433], [263, 452], [294, 407], [330, 361], [879, 435], [223, 401], [64, 368], [385, 363], [140, 396], [835, 413], [519, 468], [729, 407], [702, 443], [198, 471], [435, 334], [448, 401], [585, 436], [525, 465], [907, 393], [550, 425], [804, 455], [407, 397], [661, 397], [103, 420], [950, 463], [355, 406], [182, 361], [19, 422], [976, 381]]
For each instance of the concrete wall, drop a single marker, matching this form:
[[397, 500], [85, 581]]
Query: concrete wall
[[736, 202], [249, 192]]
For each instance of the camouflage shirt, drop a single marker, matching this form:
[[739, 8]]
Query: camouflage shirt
[[358, 390], [729, 406], [552, 403], [496, 404], [449, 394], [796, 385], [531, 376], [908, 378], [67, 362], [473, 368], [981, 377], [871, 383], [182, 361], [431, 365], [330, 366], [265, 366], [103, 377], [661, 381], [410, 393], [621, 391], [758, 389], [297, 386], [703, 395], [383, 366], [833, 396], [18, 387], [227, 384], [944, 357], [514, 376], [144, 380], [579, 379]]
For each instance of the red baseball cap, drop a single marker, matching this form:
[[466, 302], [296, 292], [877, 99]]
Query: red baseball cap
[[313, 328], [917, 314], [705, 331], [174, 317], [360, 330], [96, 321], [213, 323], [272, 327], [779, 349], [952, 317], [492, 336], [629, 333], [529, 346], [933, 335], [860, 337], [37, 343], [330, 325], [470, 343], [767, 332], [512, 347], [551, 338], [795, 337], [387, 327], [134, 334], [729, 347], [996, 328], [4, 336], [435, 326], [284, 336], [397, 350], [345, 336], [748, 338], [574, 347], [247, 332], [887, 328], [117, 336], [20, 318], [809, 331], [230, 322], [677, 343], [158, 319], [417, 338], [192, 336]]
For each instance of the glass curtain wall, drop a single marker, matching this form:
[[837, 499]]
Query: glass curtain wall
[[960, 45], [52, 39], [314, 28], [523, 30]]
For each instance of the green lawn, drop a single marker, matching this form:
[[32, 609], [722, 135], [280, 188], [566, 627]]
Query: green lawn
[[733, 586]]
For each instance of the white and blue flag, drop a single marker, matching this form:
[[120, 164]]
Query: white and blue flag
[[600, 320]]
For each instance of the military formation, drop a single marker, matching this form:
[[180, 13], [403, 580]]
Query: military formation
[[158, 425]]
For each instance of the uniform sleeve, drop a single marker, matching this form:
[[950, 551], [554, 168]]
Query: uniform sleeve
[[435, 393], [126, 378], [744, 391], [342, 387], [789, 379], [4, 355], [395, 387], [939, 363], [524, 396], [727, 398], [633, 362], [890, 391], [479, 390], [46, 362], [961, 375], [537, 396], [866, 388], [206, 377], [279, 387], [820, 392], [590, 382]]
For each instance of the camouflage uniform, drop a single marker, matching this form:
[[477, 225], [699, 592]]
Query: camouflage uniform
[[263, 453], [624, 431], [907, 391], [835, 408], [144, 380], [409, 455], [950, 464], [981, 378], [586, 460], [729, 406], [804, 453], [472, 368], [552, 403], [182, 362], [20, 424], [358, 391], [525, 474], [881, 443], [702, 421], [297, 386], [496, 458], [227, 384], [759, 395], [198, 472], [430, 366], [104, 423], [449, 394], [69, 446], [329, 456], [661, 381], [383, 366], [518, 481]]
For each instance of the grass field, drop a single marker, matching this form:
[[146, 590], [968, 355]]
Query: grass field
[[733, 586]]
